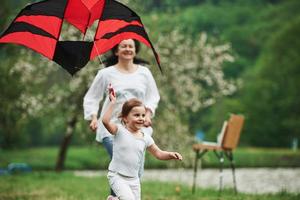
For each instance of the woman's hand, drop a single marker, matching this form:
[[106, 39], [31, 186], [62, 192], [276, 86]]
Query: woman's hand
[[94, 124], [148, 121]]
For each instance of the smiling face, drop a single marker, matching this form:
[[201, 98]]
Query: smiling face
[[126, 50], [136, 118]]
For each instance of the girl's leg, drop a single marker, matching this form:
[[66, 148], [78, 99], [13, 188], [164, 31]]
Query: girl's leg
[[108, 144], [121, 186], [135, 186]]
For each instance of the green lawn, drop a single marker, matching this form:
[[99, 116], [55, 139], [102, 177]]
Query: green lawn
[[95, 157], [66, 186]]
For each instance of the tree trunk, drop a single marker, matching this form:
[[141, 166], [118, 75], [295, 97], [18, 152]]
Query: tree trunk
[[65, 143]]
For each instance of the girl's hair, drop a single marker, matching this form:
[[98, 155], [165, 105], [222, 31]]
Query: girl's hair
[[128, 106], [113, 59]]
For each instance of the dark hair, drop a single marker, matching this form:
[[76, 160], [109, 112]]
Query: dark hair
[[129, 105], [113, 59]]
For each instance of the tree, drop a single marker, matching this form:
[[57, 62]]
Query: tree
[[46, 87], [192, 80], [11, 118], [271, 95]]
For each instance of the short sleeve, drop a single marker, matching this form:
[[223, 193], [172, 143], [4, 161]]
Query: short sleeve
[[149, 140], [120, 128]]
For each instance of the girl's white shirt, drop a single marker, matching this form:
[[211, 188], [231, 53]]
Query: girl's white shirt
[[139, 84], [128, 152]]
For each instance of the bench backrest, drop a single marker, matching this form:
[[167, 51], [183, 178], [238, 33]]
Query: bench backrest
[[233, 131]]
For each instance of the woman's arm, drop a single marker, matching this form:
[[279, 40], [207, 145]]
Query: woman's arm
[[111, 127], [93, 96], [152, 95], [163, 155]]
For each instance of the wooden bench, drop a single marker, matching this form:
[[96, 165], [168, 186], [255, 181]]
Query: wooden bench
[[227, 141]]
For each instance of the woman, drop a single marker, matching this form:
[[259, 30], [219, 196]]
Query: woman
[[124, 73]]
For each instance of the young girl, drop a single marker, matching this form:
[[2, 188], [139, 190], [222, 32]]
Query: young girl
[[128, 148]]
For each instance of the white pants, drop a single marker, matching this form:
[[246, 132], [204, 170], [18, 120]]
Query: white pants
[[126, 188]]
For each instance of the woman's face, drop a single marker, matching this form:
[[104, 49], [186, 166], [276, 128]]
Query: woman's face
[[126, 50]]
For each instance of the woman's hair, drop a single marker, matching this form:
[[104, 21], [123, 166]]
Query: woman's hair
[[128, 106], [113, 59]]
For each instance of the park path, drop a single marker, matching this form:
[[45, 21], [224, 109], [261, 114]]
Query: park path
[[254, 180]]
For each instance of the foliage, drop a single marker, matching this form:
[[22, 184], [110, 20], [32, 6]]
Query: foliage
[[192, 80], [37, 97], [11, 110], [247, 25], [11, 114], [8, 9], [47, 91], [276, 86]]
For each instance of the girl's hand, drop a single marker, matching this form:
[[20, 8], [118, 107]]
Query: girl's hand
[[94, 124], [112, 94], [175, 156]]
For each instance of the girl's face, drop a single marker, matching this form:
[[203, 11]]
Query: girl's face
[[136, 118], [126, 50]]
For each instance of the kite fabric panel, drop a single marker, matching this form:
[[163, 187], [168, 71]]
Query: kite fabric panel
[[38, 26]]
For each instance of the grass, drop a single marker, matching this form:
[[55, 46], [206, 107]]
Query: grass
[[259, 157], [95, 157], [66, 186]]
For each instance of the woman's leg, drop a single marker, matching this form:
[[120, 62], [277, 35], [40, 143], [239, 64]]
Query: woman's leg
[[108, 144]]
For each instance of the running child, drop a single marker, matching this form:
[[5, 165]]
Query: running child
[[128, 148]]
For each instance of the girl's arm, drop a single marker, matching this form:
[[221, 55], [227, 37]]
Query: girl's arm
[[163, 155], [111, 127]]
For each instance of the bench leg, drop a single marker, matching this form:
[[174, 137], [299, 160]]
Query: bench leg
[[199, 155], [221, 171], [229, 155], [195, 171], [220, 156]]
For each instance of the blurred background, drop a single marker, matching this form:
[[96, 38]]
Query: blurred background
[[218, 57]]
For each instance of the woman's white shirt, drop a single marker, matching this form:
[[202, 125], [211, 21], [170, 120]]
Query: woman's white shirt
[[139, 84]]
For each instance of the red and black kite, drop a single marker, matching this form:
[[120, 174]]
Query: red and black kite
[[38, 26]]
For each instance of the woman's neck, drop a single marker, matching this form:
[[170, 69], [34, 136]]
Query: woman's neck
[[126, 66]]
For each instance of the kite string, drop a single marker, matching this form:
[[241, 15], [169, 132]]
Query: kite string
[[98, 54]]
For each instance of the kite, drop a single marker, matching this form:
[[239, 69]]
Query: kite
[[39, 25]]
